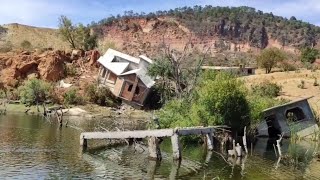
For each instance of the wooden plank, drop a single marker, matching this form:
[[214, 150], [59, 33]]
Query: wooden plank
[[128, 134], [195, 131]]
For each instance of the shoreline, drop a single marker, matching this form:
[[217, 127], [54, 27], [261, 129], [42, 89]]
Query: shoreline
[[89, 111]]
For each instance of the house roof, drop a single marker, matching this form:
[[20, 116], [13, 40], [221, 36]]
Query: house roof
[[142, 74], [146, 59], [287, 104], [119, 68]]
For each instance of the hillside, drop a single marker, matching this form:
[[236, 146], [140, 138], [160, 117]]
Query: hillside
[[12, 35], [239, 25], [233, 34]]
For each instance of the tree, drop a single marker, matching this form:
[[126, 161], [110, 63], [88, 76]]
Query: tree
[[269, 58], [219, 99], [175, 79], [309, 55], [35, 91], [67, 30], [79, 36]]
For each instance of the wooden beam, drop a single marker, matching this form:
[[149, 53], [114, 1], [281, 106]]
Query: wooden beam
[[128, 134], [195, 131]]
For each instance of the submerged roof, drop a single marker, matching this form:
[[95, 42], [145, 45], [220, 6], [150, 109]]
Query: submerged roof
[[287, 104]]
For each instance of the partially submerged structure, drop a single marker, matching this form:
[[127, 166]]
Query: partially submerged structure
[[125, 76], [293, 117], [240, 70]]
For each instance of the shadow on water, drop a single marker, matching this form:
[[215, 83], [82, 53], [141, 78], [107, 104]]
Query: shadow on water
[[31, 148]]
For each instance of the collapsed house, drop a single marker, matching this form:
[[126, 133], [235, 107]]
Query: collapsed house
[[241, 71], [125, 76], [295, 117]]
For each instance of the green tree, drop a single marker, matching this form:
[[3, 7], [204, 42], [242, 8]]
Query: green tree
[[78, 36], [220, 99], [35, 91], [269, 58], [67, 30], [309, 55]]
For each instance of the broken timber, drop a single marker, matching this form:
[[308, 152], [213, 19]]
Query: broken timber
[[154, 150]]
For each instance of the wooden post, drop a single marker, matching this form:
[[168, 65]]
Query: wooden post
[[209, 141], [154, 149], [83, 142], [176, 146]]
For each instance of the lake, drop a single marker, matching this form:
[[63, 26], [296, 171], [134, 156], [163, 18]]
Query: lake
[[32, 148]]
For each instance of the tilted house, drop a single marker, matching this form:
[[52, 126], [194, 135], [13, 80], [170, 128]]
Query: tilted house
[[125, 76], [295, 117]]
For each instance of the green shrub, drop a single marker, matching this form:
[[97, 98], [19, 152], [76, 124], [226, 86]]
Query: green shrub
[[71, 97], [26, 45], [100, 95], [266, 88], [219, 99], [301, 85], [70, 70], [258, 104], [315, 82], [286, 66], [6, 47], [35, 91]]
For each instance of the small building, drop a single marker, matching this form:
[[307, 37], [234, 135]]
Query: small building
[[241, 71], [125, 76], [293, 117]]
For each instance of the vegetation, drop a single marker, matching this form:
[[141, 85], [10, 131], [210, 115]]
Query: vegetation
[[100, 95], [219, 99], [35, 91], [237, 24], [6, 47], [26, 45], [269, 58], [176, 79], [71, 97], [78, 36], [309, 55], [315, 82], [267, 89], [301, 85]]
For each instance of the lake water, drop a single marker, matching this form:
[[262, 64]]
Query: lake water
[[32, 148]]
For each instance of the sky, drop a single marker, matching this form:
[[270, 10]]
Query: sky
[[45, 13]]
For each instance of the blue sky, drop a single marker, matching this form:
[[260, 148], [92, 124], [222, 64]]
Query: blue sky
[[45, 13]]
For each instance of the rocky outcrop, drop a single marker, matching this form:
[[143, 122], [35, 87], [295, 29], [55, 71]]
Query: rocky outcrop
[[49, 65]]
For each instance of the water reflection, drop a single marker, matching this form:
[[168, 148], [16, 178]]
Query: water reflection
[[31, 148]]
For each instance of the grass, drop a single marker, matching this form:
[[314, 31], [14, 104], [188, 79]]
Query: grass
[[39, 37]]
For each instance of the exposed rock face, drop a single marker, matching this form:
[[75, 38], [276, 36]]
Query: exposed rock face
[[18, 66]]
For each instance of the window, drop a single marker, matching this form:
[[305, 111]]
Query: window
[[130, 87], [295, 114], [137, 91], [250, 71], [104, 72]]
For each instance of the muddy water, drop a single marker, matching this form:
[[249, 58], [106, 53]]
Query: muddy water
[[31, 148]]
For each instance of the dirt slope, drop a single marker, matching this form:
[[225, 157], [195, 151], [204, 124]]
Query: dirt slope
[[39, 38], [290, 81]]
